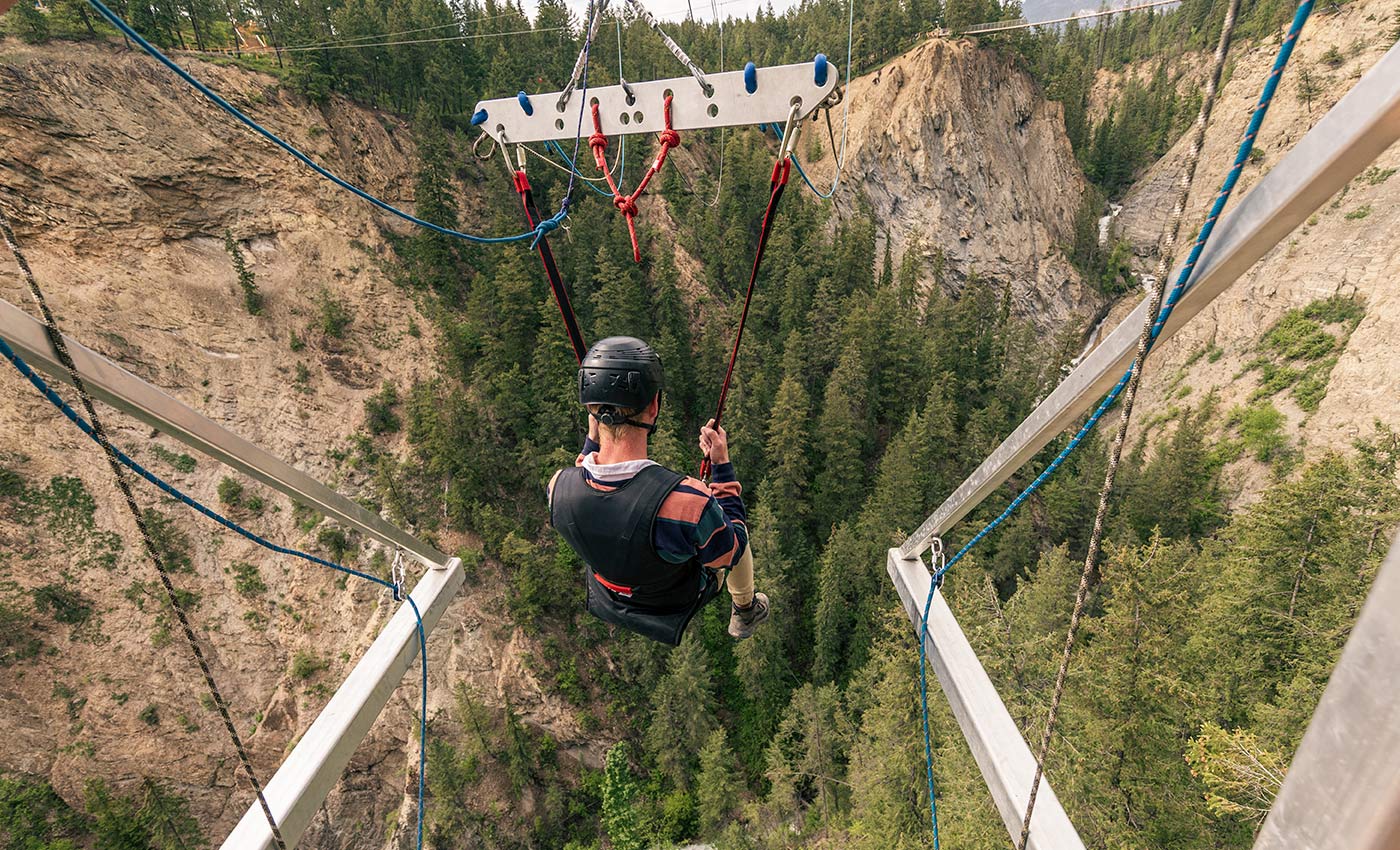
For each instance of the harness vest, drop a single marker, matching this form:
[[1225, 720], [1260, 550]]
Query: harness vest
[[628, 584]]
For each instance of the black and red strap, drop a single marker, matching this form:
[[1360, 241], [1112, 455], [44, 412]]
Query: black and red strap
[[551, 270], [782, 169]]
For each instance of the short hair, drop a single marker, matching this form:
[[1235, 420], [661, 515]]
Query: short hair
[[615, 431]]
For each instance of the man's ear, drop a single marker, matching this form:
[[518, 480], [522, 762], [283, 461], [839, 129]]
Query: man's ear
[[653, 410]]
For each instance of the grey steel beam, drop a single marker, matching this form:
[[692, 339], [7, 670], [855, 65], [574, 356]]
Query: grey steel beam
[[1342, 791], [1358, 129], [1001, 753], [126, 392], [299, 787]]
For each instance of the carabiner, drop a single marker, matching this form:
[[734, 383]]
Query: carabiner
[[790, 131]]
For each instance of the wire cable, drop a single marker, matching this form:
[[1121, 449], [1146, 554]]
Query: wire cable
[[471, 37], [112, 18]]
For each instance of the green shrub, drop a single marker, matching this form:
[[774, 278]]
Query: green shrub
[[172, 545], [247, 580], [180, 462], [17, 642], [379, 411], [296, 342], [1358, 213], [1333, 57], [150, 715], [1376, 175], [333, 318], [1260, 427], [64, 603], [335, 542], [12, 484], [1296, 337], [230, 492], [306, 664]]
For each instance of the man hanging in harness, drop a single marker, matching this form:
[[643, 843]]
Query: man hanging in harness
[[653, 540]]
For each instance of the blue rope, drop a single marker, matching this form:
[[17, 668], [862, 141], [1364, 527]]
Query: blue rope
[[73, 416], [826, 196], [543, 227], [573, 167], [1261, 108]]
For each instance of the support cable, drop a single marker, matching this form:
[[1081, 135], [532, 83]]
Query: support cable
[[544, 226], [719, 182], [675, 49], [1145, 341], [98, 433], [1207, 228], [581, 63]]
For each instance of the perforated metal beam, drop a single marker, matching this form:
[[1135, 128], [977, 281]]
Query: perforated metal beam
[[295, 793], [732, 106], [1001, 753], [1342, 791], [126, 392], [1357, 130]]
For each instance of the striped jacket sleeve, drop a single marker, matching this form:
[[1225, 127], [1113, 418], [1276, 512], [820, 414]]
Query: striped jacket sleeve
[[703, 523]]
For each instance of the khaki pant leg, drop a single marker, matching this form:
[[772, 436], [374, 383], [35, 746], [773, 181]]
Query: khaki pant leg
[[740, 581]]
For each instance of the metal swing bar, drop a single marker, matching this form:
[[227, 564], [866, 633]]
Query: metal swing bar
[[1352, 134], [637, 107]]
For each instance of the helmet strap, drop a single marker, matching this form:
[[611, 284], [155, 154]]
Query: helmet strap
[[612, 421]]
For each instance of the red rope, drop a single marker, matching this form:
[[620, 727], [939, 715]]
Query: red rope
[[627, 204], [781, 170]]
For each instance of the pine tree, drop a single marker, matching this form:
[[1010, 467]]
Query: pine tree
[[31, 25], [808, 754], [433, 261], [718, 785], [887, 767], [620, 303], [766, 662], [844, 429], [789, 462], [247, 282], [682, 715], [621, 818]]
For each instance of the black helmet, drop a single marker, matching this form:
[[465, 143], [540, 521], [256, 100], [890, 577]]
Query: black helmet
[[620, 373]]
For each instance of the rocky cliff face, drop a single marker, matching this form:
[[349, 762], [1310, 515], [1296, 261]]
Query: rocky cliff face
[[1351, 247], [954, 150], [121, 183]]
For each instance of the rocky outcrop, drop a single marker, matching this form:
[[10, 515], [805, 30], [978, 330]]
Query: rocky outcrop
[[954, 149]]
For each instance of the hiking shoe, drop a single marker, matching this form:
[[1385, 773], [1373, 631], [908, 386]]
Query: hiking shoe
[[742, 621]]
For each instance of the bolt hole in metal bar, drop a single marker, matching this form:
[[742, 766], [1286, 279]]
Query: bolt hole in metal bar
[[1349, 137]]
